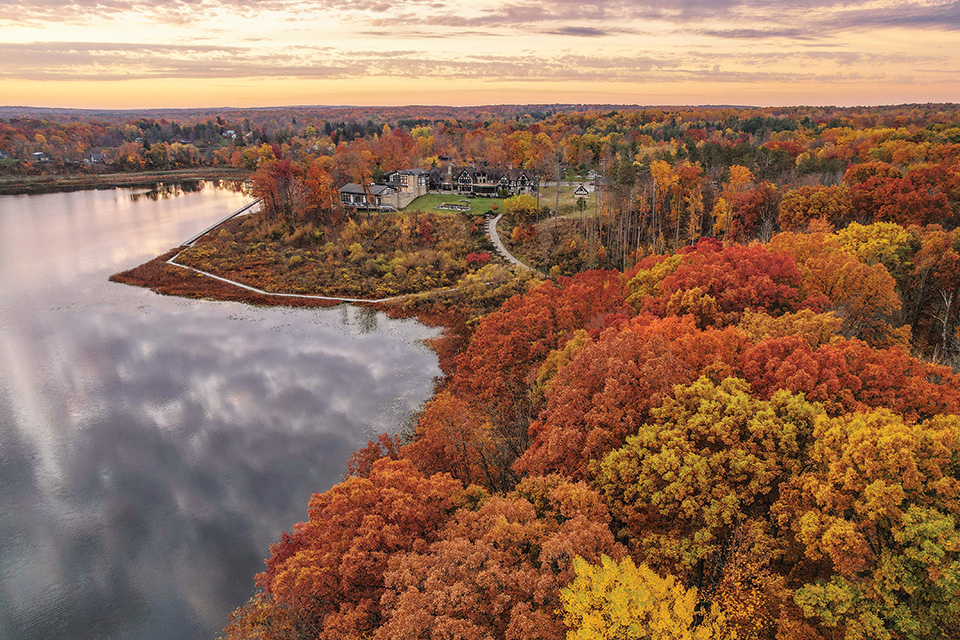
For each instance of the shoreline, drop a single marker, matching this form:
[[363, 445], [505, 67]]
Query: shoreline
[[167, 279], [30, 185], [164, 278], [434, 307]]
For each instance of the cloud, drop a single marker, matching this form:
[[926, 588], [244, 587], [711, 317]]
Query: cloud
[[906, 15], [585, 32], [185, 11], [726, 19], [423, 34], [125, 61], [757, 34]]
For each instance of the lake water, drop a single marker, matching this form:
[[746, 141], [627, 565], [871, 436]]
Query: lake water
[[152, 447]]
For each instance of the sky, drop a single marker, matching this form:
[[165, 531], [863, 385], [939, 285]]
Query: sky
[[249, 53]]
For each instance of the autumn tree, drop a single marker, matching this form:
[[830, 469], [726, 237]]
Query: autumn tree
[[497, 568], [521, 209], [495, 373], [798, 207], [605, 392], [707, 463], [716, 284], [880, 192], [877, 508], [932, 288], [814, 328], [665, 214], [280, 184], [454, 437], [863, 296], [740, 178], [320, 190], [621, 601], [791, 363], [892, 378], [330, 570], [883, 243], [690, 196], [755, 212]]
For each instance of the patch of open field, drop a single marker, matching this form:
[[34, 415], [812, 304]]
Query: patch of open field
[[568, 202], [478, 206]]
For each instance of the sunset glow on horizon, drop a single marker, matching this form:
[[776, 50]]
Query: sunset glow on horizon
[[232, 53]]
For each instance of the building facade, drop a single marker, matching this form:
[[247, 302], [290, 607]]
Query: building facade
[[415, 182], [482, 181], [373, 196]]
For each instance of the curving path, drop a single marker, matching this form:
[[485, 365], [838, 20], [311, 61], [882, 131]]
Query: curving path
[[294, 295], [502, 250], [491, 231], [246, 209]]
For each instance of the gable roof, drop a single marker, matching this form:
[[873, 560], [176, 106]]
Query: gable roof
[[370, 190], [494, 175]]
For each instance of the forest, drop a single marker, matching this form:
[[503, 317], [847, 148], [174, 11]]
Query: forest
[[603, 462], [730, 411]]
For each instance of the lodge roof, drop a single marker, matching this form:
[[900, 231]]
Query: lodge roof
[[370, 190], [492, 174]]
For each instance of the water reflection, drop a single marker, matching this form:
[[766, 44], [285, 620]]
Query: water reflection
[[151, 447], [167, 190]]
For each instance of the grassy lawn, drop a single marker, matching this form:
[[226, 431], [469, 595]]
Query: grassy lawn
[[548, 198], [478, 206]]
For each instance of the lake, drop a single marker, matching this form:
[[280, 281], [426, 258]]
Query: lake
[[152, 447]]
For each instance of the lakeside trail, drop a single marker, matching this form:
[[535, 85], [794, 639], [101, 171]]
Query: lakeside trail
[[247, 210], [242, 291]]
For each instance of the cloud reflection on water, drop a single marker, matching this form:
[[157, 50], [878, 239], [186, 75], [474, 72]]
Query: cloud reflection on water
[[151, 447]]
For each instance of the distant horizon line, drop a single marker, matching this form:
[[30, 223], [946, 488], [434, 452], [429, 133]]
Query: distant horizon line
[[585, 105]]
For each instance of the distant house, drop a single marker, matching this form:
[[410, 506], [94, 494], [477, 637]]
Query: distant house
[[581, 192], [414, 182], [230, 133], [40, 156], [4, 155], [97, 158], [373, 196], [482, 181]]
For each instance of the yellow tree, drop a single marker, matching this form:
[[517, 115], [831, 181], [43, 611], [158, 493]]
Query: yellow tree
[[691, 198], [740, 177], [799, 207], [619, 600], [708, 462], [664, 184], [863, 296], [885, 243], [521, 209]]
